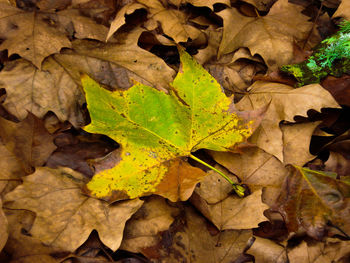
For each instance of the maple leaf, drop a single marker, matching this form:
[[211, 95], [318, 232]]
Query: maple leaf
[[65, 217], [196, 114], [311, 199]]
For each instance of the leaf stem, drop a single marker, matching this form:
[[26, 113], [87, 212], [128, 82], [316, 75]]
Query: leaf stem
[[236, 187]]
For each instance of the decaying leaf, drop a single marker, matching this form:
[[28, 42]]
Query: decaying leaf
[[276, 31], [312, 199], [28, 140], [191, 239], [65, 217], [38, 92], [195, 115], [280, 99], [3, 228], [145, 227]]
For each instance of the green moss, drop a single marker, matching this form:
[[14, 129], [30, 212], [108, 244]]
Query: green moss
[[330, 57]]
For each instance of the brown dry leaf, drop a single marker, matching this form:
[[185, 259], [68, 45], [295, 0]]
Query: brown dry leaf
[[3, 228], [343, 10], [338, 160], [22, 247], [208, 3], [82, 26], [105, 72], [11, 170], [281, 100], [28, 140], [126, 53], [233, 212], [173, 22], [331, 250], [262, 5], [255, 168], [51, 89], [32, 35], [312, 199], [270, 36], [296, 142], [64, 216], [191, 239], [119, 19], [145, 226], [267, 251]]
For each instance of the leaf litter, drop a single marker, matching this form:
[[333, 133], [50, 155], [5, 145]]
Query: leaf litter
[[296, 214]]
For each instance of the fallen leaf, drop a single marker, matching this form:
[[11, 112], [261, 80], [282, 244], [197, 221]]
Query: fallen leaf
[[339, 88], [343, 10], [126, 53], [23, 247], [311, 199], [119, 19], [65, 217], [262, 5], [51, 89], [146, 225], [195, 115], [280, 99], [338, 160], [173, 21], [296, 142], [208, 3], [331, 250], [11, 171], [266, 251], [256, 168], [190, 240], [3, 228], [233, 212], [28, 140], [270, 36], [32, 35]]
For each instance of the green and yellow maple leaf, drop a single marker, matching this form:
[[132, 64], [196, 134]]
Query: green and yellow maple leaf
[[156, 130]]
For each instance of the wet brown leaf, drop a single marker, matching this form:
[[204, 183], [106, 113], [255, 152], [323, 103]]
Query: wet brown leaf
[[145, 226], [339, 88], [52, 89], [28, 140], [270, 36], [311, 199], [280, 99], [65, 217]]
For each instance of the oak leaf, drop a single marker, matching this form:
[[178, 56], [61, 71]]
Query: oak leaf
[[196, 114], [28, 140], [281, 99], [65, 217], [314, 200], [270, 36], [52, 89]]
